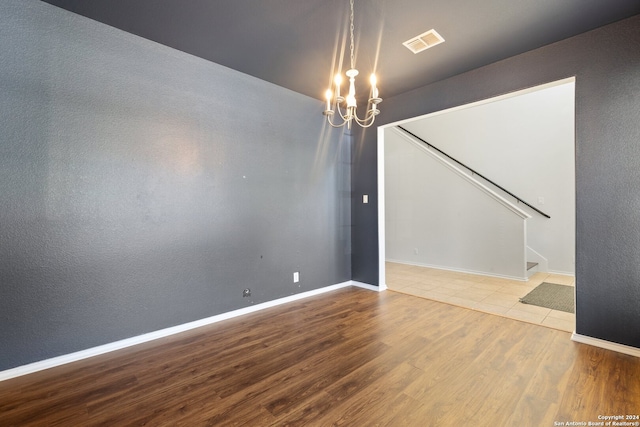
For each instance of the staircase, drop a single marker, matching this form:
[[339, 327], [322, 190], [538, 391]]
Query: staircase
[[531, 269], [535, 262], [452, 225]]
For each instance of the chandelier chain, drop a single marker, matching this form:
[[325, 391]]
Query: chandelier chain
[[351, 28]]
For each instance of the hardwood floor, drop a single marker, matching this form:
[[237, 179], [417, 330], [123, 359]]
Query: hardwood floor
[[351, 357]]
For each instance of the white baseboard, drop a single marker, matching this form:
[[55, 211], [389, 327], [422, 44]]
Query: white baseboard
[[128, 342], [460, 270], [596, 342], [561, 273], [382, 287]]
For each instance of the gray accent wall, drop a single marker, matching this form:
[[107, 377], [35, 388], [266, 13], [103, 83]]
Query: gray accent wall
[[142, 188], [606, 64]]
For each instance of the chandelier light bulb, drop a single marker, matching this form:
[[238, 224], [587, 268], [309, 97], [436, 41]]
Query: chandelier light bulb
[[338, 81], [374, 89]]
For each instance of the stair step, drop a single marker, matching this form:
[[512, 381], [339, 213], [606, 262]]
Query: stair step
[[530, 265]]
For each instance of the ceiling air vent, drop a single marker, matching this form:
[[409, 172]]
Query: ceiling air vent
[[423, 41]]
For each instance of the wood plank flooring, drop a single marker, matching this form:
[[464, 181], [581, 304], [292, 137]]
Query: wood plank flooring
[[347, 358]]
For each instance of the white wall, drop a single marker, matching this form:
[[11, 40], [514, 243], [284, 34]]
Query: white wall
[[526, 144], [436, 215]]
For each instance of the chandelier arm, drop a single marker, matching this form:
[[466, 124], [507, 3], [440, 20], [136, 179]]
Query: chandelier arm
[[371, 112], [334, 125], [367, 126], [330, 113], [358, 119], [345, 118], [369, 118], [365, 122]]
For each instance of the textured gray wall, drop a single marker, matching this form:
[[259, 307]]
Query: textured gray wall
[[606, 63], [141, 187]]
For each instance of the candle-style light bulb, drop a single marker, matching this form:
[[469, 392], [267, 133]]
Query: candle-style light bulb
[[338, 81], [374, 89], [328, 94]]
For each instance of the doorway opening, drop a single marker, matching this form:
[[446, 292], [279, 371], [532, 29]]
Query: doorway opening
[[525, 141]]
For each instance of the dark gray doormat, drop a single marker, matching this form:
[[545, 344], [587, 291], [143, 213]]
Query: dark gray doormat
[[551, 295]]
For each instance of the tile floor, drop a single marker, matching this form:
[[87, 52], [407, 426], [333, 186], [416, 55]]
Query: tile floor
[[488, 294]]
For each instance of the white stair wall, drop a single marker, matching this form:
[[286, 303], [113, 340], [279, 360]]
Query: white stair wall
[[438, 215]]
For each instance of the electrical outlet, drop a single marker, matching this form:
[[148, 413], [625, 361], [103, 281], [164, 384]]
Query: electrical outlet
[[415, 251], [296, 277], [246, 293]]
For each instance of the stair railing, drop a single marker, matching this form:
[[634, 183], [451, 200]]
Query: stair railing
[[474, 172]]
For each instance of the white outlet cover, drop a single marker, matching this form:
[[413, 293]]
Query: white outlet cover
[[296, 277], [365, 198]]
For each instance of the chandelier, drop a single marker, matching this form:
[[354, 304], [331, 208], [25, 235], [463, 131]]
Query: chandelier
[[346, 107]]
